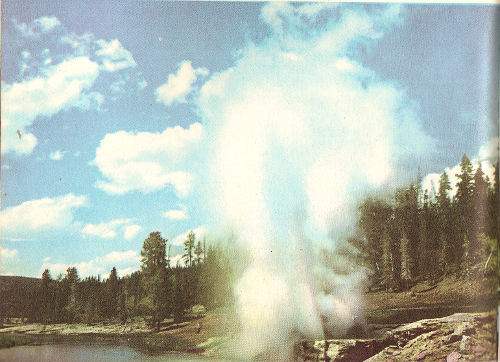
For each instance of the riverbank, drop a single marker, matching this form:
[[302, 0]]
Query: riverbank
[[195, 335]]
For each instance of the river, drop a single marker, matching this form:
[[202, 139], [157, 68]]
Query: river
[[71, 352]]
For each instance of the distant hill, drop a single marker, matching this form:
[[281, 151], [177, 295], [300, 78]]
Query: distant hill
[[11, 283], [14, 294]]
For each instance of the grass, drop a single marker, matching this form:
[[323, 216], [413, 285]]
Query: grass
[[166, 342], [8, 340]]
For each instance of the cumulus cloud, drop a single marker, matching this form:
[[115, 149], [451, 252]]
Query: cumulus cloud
[[179, 85], [37, 27], [105, 230], [131, 231], [126, 262], [6, 253], [41, 214], [146, 161], [59, 88], [199, 232], [114, 56], [487, 156], [56, 155], [58, 79], [176, 214]]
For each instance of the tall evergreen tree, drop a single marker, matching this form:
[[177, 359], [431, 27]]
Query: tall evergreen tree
[[407, 218], [188, 249], [46, 295], [374, 215], [479, 224], [69, 285], [198, 252], [406, 263], [153, 267], [112, 294]]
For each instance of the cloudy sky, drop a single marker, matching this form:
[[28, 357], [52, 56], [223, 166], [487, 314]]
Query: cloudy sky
[[122, 118]]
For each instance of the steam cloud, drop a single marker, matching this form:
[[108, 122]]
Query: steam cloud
[[300, 131]]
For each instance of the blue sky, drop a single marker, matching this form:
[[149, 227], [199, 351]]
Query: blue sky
[[169, 116]]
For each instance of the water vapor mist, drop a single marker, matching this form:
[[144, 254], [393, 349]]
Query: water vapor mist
[[300, 132]]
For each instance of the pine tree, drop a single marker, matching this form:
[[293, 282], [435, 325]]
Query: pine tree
[[112, 294], [153, 267], [464, 195], [387, 261], [374, 216], [479, 223], [493, 202], [407, 218], [406, 263], [46, 295], [188, 249], [69, 286], [198, 252]]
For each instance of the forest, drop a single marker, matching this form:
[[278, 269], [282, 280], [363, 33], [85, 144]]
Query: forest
[[409, 237], [418, 235], [157, 291]]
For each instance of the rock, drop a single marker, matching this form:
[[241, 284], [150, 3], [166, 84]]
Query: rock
[[452, 338], [478, 350], [420, 356], [465, 343], [453, 357], [465, 329]]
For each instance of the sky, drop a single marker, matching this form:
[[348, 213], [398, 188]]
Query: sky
[[123, 118]]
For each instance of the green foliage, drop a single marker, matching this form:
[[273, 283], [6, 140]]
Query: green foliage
[[188, 249], [156, 292], [422, 236], [8, 340], [154, 269]]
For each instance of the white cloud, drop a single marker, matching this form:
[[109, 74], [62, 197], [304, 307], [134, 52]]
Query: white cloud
[[37, 27], [131, 231], [6, 253], [176, 260], [199, 232], [105, 230], [60, 87], [41, 214], [125, 262], [179, 214], [487, 156], [489, 151], [179, 85], [56, 155], [146, 161], [114, 56], [59, 79]]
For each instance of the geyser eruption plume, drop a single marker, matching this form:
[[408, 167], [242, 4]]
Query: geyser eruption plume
[[300, 132]]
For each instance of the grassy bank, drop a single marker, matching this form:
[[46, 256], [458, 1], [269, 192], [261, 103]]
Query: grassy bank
[[8, 340]]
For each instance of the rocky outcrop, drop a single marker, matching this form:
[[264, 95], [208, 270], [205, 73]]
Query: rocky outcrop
[[459, 337]]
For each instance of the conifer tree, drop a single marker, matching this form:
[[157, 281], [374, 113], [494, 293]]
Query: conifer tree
[[198, 252], [188, 249], [46, 295], [112, 294], [153, 267], [406, 263]]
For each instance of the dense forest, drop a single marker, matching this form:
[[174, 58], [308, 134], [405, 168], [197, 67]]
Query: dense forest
[[413, 236], [157, 291], [419, 235]]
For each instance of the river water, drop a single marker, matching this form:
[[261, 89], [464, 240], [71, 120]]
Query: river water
[[69, 352]]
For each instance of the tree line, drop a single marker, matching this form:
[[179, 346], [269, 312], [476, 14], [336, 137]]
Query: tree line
[[157, 291], [419, 235]]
